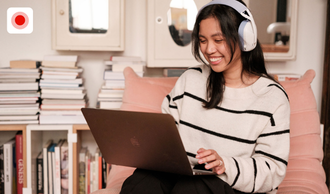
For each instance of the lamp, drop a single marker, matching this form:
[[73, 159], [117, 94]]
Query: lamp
[[283, 28]]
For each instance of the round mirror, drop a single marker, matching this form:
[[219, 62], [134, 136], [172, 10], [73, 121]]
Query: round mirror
[[181, 19]]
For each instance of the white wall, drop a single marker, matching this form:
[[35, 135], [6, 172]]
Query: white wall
[[310, 48]]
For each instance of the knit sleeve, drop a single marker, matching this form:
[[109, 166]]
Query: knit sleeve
[[171, 103], [266, 168]]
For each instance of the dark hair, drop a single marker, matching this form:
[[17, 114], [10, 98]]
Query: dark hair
[[253, 61]]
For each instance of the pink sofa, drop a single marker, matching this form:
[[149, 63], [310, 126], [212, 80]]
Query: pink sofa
[[305, 173]]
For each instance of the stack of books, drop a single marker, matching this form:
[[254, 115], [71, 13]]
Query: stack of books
[[285, 76], [53, 168], [173, 72], [93, 171], [112, 90], [19, 95], [62, 91], [11, 165]]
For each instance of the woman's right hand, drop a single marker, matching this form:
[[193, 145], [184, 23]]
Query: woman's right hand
[[212, 159]]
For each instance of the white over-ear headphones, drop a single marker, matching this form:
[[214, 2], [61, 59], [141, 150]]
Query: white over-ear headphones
[[247, 29]]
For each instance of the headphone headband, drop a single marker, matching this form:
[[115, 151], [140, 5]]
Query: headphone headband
[[247, 29], [239, 7]]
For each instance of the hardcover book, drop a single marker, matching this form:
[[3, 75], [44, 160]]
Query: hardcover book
[[19, 162], [104, 174], [57, 171], [45, 165], [82, 170], [62, 61], [27, 64], [19, 86], [125, 58], [51, 158], [40, 180], [2, 175], [21, 71], [64, 167], [8, 149]]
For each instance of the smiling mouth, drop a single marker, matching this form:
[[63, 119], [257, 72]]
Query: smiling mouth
[[215, 60]]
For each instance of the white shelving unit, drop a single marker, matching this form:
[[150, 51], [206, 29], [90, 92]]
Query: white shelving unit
[[36, 137], [7, 132]]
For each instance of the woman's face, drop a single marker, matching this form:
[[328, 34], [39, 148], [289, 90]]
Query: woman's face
[[215, 49]]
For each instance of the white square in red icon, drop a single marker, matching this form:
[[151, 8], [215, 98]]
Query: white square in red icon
[[19, 20]]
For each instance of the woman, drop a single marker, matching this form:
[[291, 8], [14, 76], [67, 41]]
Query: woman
[[231, 115]]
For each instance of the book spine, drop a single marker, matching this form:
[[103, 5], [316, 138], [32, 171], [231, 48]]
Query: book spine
[[14, 181], [96, 172], [89, 176], [40, 180], [2, 175], [45, 170], [50, 173], [57, 181], [286, 77], [173, 72], [87, 179], [92, 174], [25, 64], [82, 174], [64, 168], [54, 174], [8, 168], [19, 163], [100, 172], [104, 174]]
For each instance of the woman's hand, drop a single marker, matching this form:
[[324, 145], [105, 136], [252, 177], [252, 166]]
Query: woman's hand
[[212, 159]]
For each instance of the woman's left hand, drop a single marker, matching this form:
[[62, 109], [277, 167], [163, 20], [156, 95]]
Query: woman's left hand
[[212, 159]]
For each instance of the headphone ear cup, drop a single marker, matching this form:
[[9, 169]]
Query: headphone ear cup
[[248, 40]]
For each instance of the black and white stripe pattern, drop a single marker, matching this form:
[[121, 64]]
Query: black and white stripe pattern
[[249, 129]]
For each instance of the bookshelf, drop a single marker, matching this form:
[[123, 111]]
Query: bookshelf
[[9, 131], [81, 131], [36, 137]]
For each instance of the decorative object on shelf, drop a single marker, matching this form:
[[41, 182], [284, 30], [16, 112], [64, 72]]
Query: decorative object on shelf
[[283, 28]]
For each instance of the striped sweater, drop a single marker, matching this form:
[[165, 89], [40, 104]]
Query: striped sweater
[[249, 129]]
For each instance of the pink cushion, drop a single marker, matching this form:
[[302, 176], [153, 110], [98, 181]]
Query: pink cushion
[[305, 174], [145, 94]]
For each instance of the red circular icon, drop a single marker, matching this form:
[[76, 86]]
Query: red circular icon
[[20, 20]]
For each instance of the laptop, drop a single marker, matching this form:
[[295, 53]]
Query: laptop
[[148, 141]]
